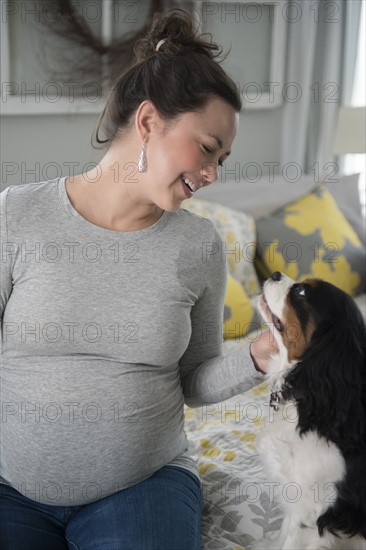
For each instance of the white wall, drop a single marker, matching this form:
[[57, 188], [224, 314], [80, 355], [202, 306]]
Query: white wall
[[36, 148], [39, 147]]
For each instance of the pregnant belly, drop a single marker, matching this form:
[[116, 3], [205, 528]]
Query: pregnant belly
[[80, 431]]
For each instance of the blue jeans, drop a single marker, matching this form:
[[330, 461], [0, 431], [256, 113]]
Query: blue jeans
[[161, 513]]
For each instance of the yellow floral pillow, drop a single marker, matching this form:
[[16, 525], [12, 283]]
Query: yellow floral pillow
[[312, 238], [239, 312], [238, 232]]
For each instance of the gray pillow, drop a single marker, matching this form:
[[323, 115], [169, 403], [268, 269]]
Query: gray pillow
[[311, 237], [261, 198]]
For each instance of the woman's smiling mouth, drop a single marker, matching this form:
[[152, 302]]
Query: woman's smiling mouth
[[187, 182]]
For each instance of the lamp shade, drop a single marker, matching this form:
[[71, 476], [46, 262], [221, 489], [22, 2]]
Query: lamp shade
[[350, 131]]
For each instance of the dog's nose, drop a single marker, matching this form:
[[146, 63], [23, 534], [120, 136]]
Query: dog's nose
[[276, 276]]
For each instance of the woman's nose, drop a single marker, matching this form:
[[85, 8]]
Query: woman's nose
[[209, 172]]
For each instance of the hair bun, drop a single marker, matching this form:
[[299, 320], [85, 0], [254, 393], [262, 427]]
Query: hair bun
[[178, 78], [181, 35]]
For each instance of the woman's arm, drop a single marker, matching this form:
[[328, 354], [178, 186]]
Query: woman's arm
[[6, 279], [206, 375]]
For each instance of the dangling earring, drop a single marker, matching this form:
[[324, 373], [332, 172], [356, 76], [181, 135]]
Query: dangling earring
[[142, 162]]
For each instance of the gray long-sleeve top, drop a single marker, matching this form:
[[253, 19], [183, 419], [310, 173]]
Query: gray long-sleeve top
[[105, 335]]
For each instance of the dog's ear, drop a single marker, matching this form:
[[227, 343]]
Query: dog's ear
[[329, 381]]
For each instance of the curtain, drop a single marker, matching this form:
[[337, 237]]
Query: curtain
[[321, 57]]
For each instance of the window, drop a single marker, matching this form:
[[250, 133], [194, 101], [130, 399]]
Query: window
[[256, 33], [356, 163]]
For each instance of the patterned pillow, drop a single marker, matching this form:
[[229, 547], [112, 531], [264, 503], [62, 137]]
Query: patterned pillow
[[239, 313], [238, 232], [311, 238]]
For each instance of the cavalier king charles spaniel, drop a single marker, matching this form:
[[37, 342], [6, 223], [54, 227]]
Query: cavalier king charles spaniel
[[314, 445]]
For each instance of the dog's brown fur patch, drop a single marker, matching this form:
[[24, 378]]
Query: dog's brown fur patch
[[294, 338]]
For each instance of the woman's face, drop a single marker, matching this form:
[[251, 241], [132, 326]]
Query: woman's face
[[191, 148]]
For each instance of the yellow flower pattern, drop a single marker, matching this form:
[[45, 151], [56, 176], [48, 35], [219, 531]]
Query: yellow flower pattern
[[338, 273], [237, 441], [239, 311], [312, 238], [321, 212], [276, 261]]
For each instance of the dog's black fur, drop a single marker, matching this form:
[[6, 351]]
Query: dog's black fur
[[328, 384]]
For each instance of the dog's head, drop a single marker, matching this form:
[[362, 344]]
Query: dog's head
[[322, 340]]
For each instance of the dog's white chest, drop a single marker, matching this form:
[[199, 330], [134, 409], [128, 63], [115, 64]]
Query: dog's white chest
[[309, 464]]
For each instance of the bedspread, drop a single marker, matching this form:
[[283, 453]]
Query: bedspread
[[238, 498]]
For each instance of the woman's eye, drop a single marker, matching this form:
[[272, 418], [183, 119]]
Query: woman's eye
[[209, 151]]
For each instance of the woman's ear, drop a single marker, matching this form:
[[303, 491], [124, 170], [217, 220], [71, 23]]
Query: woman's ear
[[146, 118]]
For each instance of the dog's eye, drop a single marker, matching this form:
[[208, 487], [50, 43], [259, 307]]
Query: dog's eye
[[301, 290]]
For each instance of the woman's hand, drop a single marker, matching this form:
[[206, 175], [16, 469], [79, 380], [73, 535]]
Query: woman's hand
[[261, 350]]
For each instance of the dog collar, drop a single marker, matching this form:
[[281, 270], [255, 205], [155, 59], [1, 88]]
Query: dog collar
[[275, 400]]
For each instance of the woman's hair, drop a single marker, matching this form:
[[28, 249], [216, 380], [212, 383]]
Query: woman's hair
[[180, 77]]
